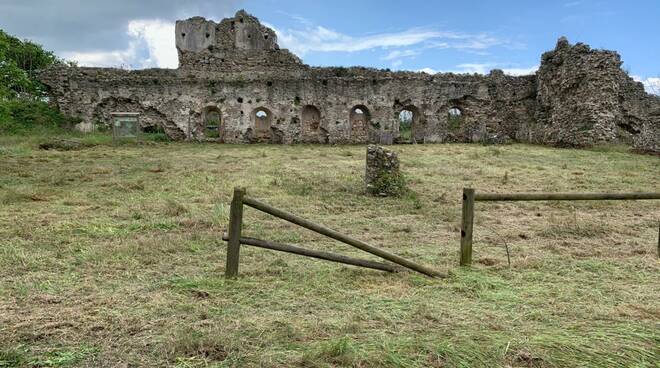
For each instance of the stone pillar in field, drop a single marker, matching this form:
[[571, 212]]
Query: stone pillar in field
[[382, 177]]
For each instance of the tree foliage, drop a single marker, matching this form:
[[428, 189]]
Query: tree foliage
[[19, 62], [22, 95]]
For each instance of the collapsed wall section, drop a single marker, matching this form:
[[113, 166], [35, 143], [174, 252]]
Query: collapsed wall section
[[584, 98]]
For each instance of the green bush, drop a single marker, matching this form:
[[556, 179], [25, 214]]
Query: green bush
[[21, 116]]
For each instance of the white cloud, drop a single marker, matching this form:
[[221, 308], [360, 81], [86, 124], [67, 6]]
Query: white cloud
[[651, 84], [398, 54], [159, 37], [480, 41], [321, 39], [474, 68], [521, 71], [483, 68], [428, 71], [572, 4], [151, 44], [119, 58]]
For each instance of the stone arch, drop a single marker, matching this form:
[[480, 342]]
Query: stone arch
[[262, 119], [409, 124], [212, 124], [359, 119], [455, 117], [311, 124]]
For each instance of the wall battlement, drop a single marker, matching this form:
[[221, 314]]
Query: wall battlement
[[234, 71]]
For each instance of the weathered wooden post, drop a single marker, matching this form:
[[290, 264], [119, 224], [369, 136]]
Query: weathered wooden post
[[234, 230], [466, 226]]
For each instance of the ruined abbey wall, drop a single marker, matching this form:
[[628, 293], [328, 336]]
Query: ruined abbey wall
[[235, 68]]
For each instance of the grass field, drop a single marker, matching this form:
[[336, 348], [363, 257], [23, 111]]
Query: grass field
[[111, 256]]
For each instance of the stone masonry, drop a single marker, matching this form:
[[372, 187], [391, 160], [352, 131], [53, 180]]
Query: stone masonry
[[383, 177], [235, 69]]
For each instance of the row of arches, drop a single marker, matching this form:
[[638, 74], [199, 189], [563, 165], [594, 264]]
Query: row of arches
[[409, 120]]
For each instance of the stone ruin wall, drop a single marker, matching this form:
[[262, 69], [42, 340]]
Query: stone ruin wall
[[578, 97], [584, 97]]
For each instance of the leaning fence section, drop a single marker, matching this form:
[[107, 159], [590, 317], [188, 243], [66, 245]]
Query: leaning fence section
[[470, 196], [235, 239]]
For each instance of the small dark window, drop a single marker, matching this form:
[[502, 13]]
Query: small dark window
[[324, 82], [208, 35], [269, 84], [222, 60], [249, 36], [183, 35], [240, 100], [240, 20], [265, 37]]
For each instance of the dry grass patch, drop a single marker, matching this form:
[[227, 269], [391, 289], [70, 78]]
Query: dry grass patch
[[118, 260]]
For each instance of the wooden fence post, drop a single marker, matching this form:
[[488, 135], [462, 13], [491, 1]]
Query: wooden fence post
[[466, 226], [234, 230]]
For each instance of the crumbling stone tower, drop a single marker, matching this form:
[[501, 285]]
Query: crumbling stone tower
[[237, 43]]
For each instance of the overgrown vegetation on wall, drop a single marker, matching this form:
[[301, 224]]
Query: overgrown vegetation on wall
[[23, 99]]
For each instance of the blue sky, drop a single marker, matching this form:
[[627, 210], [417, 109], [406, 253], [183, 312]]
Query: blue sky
[[459, 36], [513, 33]]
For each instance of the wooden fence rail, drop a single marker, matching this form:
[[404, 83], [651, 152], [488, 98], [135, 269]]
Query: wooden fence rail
[[266, 244], [234, 240], [470, 196]]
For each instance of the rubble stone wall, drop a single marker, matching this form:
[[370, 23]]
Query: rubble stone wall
[[382, 175], [578, 97]]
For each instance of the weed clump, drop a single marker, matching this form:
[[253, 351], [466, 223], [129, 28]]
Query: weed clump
[[174, 208], [388, 184]]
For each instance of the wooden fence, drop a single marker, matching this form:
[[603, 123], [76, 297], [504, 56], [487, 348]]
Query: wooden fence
[[470, 196], [234, 240]]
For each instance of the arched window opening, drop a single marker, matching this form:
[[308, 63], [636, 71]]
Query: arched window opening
[[454, 118], [311, 122], [359, 121], [409, 124], [212, 122], [405, 124], [262, 119]]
